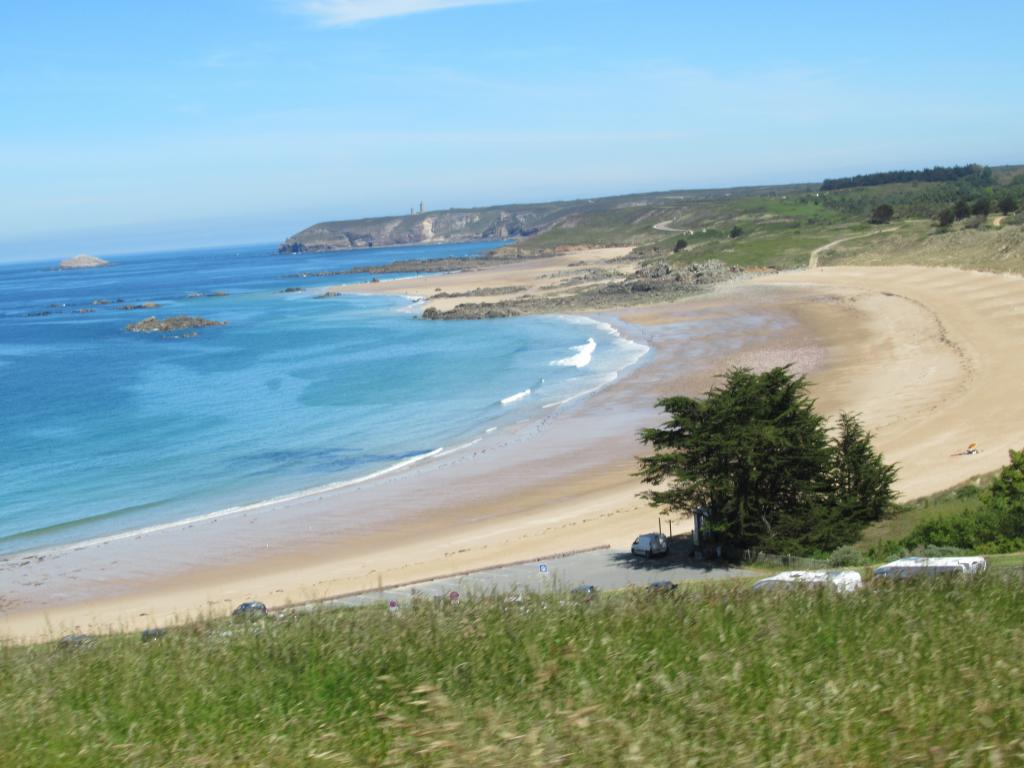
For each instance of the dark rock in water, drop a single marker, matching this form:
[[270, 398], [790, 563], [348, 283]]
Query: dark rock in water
[[471, 312], [85, 311], [176, 323], [217, 294], [83, 262], [153, 634], [100, 302], [292, 289], [329, 295], [41, 313], [145, 305], [72, 642], [250, 609]]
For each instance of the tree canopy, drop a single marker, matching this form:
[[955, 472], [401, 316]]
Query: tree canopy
[[938, 173], [882, 214], [761, 465]]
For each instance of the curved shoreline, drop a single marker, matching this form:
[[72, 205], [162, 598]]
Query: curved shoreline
[[880, 341], [326, 488]]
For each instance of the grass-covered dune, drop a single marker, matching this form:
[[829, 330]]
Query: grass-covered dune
[[929, 673]]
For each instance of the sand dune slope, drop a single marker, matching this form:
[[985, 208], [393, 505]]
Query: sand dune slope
[[935, 363]]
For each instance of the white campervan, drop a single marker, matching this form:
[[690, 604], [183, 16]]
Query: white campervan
[[908, 567], [840, 581]]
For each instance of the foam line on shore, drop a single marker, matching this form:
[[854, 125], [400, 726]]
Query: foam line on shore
[[230, 511]]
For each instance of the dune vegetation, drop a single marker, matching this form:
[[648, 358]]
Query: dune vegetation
[[925, 673]]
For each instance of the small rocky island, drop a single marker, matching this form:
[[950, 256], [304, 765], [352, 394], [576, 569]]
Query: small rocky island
[[176, 323], [82, 261]]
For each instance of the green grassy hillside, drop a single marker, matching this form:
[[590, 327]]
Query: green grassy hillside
[[914, 674], [772, 226]]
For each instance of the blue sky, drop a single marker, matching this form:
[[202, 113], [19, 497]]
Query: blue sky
[[139, 126]]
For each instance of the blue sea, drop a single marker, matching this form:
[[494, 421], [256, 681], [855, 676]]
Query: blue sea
[[104, 431]]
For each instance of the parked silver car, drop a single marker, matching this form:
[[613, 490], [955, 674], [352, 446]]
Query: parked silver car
[[650, 545]]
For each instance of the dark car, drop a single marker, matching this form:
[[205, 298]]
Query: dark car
[[585, 592], [661, 586], [250, 609]]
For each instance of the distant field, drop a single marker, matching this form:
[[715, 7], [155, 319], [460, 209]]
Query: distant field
[[916, 674]]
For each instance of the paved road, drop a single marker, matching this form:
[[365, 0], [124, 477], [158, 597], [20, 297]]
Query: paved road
[[604, 568]]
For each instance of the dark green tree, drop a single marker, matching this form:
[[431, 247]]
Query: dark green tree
[[757, 459], [752, 453], [945, 217], [982, 207], [735, 232], [680, 246], [1008, 204], [961, 210], [861, 483], [1007, 491], [882, 214]]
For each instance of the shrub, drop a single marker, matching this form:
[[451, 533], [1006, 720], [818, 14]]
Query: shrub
[[933, 551], [845, 557], [946, 217], [886, 550], [680, 246], [882, 214], [998, 526], [735, 232]]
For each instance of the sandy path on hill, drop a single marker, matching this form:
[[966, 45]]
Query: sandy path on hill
[[932, 358], [812, 262]]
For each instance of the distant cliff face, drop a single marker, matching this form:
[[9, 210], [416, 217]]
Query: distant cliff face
[[443, 227]]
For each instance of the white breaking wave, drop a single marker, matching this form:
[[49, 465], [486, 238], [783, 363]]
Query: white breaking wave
[[517, 396], [584, 354]]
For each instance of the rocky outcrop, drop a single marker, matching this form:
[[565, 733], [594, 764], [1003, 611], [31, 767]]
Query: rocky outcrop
[[473, 312], [82, 261], [650, 283], [175, 323]]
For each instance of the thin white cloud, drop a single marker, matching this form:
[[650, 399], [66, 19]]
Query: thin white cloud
[[339, 13]]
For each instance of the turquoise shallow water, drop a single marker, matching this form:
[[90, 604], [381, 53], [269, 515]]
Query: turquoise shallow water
[[103, 431]]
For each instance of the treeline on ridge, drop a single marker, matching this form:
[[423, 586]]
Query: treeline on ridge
[[938, 173]]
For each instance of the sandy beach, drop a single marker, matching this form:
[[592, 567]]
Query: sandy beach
[[930, 357]]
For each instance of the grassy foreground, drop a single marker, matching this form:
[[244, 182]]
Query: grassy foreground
[[916, 674]]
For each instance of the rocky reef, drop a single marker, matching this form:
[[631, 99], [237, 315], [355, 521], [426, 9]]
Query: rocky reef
[[650, 283], [82, 261], [176, 323]]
